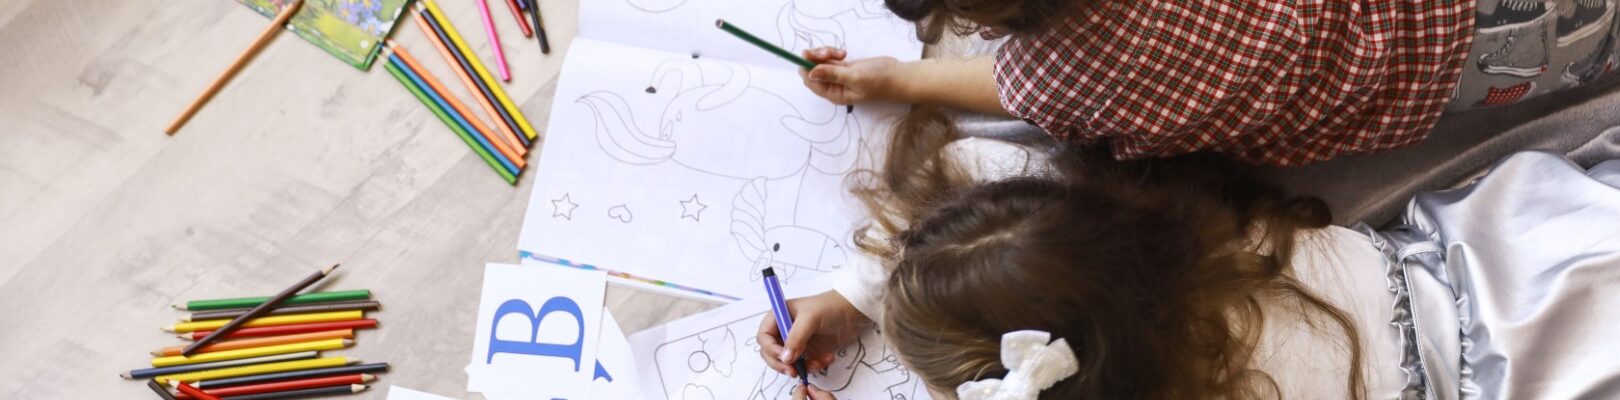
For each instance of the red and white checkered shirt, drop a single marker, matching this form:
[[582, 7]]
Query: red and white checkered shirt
[[1265, 81]]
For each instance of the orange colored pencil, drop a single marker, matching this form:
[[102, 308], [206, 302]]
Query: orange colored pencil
[[522, 22], [467, 80], [478, 124], [198, 394], [260, 342]]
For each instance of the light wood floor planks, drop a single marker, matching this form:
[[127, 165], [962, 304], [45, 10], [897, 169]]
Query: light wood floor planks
[[300, 162]]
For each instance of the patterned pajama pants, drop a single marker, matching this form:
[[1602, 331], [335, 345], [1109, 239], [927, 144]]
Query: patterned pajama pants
[[1526, 48]]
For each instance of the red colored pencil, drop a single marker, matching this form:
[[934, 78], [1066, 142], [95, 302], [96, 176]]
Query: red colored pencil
[[195, 394], [282, 386], [288, 329], [522, 22]]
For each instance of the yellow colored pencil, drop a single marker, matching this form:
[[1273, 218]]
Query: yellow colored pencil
[[274, 320], [500, 95], [257, 369], [328, 344]]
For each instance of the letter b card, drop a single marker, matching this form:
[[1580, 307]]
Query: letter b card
[[537, 331]]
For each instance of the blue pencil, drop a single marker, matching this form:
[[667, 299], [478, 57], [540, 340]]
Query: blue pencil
[[784, 320], [460, 120]]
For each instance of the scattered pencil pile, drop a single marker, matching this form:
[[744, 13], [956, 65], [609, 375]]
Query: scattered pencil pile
[[503, 143], [265, 347]]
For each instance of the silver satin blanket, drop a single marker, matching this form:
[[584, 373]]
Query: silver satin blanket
[[1509, 288]]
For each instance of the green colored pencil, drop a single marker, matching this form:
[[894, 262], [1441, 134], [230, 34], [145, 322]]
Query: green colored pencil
[[248, 302], [488, 159], [750, 38]]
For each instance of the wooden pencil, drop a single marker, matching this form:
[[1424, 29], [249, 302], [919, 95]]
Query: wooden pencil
[[287, 329], [283, 386], [448, 121], [507, 149], [494, 41], [257, 369], [291, 319], [761, 43], [461, 45], [260, 309], [259, 342], [517, 12], [299, 374], [241, 60], [314, 345], [194, 392], [540, 28], [441, 41], [444, 105], [293, 394], [363, 305], [247, 303], [161, 391], [180, 369]]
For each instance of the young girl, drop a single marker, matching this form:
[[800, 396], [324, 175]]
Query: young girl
[[1266, 82], [1004, 273]]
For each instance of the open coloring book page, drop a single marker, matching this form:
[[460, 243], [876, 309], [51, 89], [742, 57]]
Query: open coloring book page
[[698, 170], [713, 355], [863, 27]]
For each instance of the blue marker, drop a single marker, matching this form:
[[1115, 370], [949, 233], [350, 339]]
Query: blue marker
[[784, 321]]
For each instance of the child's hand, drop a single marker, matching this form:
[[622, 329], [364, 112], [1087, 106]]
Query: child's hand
[[812, 393], [849, 82], [822, 324]]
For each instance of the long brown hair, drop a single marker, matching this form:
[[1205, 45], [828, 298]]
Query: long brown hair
[[934, 17], [1147, 268]]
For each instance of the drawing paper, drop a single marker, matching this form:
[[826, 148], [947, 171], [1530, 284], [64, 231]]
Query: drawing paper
[[865, 28], [714, 355], [614, 355], [396, 392], [537, 332]]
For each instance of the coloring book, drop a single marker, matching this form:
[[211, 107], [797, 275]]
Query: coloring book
[[682, 159], [351, 30]]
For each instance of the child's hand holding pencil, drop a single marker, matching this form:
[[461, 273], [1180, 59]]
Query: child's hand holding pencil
[[850, 82]]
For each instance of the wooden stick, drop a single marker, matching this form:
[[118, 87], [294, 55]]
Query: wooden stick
[[242, 60]]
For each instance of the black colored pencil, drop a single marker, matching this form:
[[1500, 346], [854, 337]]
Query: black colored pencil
[[290, 394], [257, 311], [539, 28], [366, 305], [308, 373], [164, 393], [444, 38]]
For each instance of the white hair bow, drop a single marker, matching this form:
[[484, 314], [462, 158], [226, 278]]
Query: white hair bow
[[1032, 366]]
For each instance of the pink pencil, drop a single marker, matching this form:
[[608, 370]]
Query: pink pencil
[[494, 40]]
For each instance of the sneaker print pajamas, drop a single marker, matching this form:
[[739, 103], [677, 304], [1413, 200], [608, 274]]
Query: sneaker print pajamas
[[1526, 48]]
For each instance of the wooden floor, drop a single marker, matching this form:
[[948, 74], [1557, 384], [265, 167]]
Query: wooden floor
[[301, 162]]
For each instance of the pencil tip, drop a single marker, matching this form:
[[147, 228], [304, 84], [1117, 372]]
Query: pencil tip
[[178, 307], [157, 353], [168, 329], [367, 377], [357, 388], [348, 342], [328, 270], [719, 22], [126, 375], [185, 318]]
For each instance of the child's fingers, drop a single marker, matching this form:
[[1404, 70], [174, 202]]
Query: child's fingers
[[770, 347], [799, 338], [830, 73], [815, 393], [824, 54]]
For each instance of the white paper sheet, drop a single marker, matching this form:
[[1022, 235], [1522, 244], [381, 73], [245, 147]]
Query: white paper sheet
[[614, 355], [862, 27], [537, 332], [713, 355], [396, 392], [697, 172]]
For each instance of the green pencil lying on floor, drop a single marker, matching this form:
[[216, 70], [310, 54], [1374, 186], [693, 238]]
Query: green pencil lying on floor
[[750, 38]]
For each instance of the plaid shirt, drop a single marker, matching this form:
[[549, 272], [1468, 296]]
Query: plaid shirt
[[1265, 81]]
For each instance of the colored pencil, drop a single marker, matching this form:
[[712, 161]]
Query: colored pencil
[[254, 313], [161, 392], [494, 41], [363, 305], [461, 45], [287, 329], [300, 374], [328, 391], [250, 302], [291, 319], [241, 60], [444, 105], [197, 394], [283, 386], [257, 369], [260, 342], [437, 91], [761, 43], [180, 369], [540, 28], [317, 345], [517, 12], [465, 137], [441, 41]]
